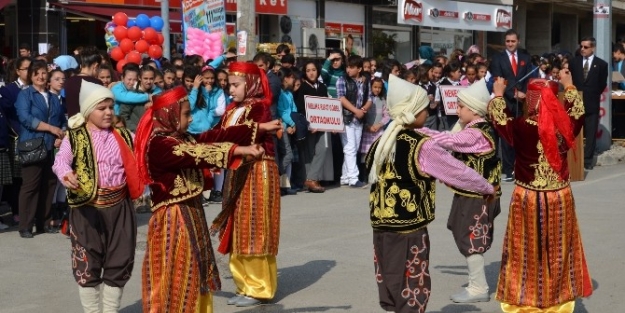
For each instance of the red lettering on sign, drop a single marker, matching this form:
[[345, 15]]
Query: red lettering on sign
[[413, 10], [262, 6], [503, 19]]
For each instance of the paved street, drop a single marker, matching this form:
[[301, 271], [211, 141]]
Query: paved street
[[325, 259]]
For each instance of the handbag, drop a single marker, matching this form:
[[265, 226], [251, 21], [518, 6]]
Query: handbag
[[32, 151]]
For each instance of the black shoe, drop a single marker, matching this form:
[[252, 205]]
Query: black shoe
[[26, 234], [47, 230], [215, 197]]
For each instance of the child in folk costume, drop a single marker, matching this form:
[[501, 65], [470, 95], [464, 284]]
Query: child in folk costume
[[96, 165], [249, 223], [404, 165], [471, 219], [179, 269], [546, 271]]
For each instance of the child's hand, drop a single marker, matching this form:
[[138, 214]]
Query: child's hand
[[148, 105], [359, 114], [374, 128], [272, 126], [197, 82], [70, 181], [57, 143], [499, 87], [253, 151], [290, 130]]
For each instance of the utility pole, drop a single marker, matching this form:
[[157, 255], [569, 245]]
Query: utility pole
[[165, 30], [603, 35], [246, 21]]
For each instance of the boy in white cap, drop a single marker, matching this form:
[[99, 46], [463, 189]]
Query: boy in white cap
[[96, 165], [471, 218], [404, 165]]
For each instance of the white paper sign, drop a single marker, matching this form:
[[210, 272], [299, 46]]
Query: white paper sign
[[449, 98], [324, 114], [241, 42]]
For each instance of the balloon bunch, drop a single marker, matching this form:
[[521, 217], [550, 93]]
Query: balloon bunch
[[208, 45], [135, 37]]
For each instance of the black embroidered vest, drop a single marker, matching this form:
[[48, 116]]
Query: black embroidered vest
[[403, 197], [486, 164], [86, 166]]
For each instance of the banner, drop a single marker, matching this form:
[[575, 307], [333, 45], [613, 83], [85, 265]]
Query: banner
[[449, 98], [204, 27], [324, 114], [454, 14]]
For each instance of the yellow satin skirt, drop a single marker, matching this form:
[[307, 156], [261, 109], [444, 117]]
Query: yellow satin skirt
[[255, 276], [566, 307], [206, 303]]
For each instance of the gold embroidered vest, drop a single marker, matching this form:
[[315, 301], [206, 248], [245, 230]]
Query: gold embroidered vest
[[403, 197], [86, 166], [486, 164]]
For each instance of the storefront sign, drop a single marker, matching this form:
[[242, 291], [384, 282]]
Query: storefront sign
[[333, 30], [449, 96], [454, 14], [145, 3], [262, 6], [353, 29], [324, 114]]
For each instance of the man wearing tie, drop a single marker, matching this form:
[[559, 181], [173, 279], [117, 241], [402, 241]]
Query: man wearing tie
[[512, 65], [590, 76]]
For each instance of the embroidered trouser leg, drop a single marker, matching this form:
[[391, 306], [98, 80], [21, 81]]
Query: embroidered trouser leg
[[103, 244], [471, 221], [402, 270], [255, 276]]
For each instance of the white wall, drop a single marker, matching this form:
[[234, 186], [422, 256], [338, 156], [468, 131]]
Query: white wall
[[346, 13]]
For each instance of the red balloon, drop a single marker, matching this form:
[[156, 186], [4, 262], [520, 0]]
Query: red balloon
[[120, 32], [120, 19], [160, 39], [155, 52], [117, 54], [142, 46], [134, 33], [126, 45], [150, 34], [121, 64], [134, 57]]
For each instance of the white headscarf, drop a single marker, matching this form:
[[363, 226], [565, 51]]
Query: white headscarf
[[476, 98], [404, 101], [89, 97]]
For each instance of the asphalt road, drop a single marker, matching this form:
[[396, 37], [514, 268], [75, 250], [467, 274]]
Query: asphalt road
[[325, 263]]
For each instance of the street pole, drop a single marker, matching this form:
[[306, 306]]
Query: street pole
[[602, 26], [165, 31], [246, 21]]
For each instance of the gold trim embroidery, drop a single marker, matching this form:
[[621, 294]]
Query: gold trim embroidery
[[85, 166], [497, 111], [188, 184], [215, 154], [545, 178], [577, 110]]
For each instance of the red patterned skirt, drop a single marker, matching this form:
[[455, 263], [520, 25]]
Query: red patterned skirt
[[179, 263], [543, 262]]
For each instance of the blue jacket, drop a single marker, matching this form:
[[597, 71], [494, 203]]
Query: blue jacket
[[8, 96], [215, 96], [32, 109], [201, 116], [125, 96], [286, 106]]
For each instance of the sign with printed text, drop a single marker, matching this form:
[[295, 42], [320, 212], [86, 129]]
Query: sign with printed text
[[449, 98], [324, 114], [455, 14], [262, 6]]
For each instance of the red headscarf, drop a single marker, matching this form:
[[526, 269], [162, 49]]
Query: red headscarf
[[256, 83], [553, 121], [163, 117]]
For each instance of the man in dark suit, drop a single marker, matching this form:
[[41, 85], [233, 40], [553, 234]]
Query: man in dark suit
[[590, 76], [511, 64]]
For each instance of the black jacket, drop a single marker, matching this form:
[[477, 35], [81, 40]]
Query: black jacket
[[593, 85]]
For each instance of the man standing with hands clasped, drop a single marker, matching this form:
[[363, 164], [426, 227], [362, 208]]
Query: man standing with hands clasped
[[590, 76], [511, 65]]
